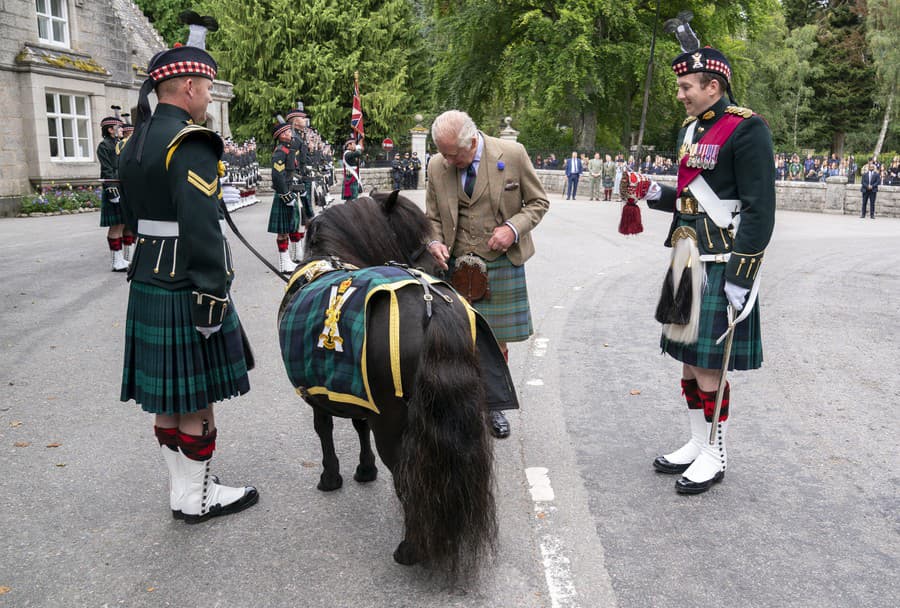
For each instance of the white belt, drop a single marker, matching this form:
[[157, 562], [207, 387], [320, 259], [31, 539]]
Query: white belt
[[719, 210], [164, 228]]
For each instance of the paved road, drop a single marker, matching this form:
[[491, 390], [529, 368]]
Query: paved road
[[808, 515]]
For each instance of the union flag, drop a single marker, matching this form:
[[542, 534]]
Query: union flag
[[356, 115]]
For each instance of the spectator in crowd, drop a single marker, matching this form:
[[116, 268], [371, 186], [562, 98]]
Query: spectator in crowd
[[574, 169], [780, 168], [871, 179], [595, 168], [893, 172], [538, 162], [795, 169], [620, 168], [852, 170]]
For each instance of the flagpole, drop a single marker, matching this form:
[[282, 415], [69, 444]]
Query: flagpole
[[356, 89]]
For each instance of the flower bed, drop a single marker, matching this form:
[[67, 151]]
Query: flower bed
[[57, 199]]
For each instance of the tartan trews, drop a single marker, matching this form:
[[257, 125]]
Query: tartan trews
[[170, 368], [746, 348], [507, 311]]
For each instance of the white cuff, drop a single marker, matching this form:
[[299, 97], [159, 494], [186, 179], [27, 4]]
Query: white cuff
[[653, 192], [515, 232]]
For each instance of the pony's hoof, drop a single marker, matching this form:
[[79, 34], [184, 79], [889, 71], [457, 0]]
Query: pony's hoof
[[365, 474], [329, 483], [405, 555]]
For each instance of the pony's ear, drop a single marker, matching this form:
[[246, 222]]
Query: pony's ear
[[391, 201]]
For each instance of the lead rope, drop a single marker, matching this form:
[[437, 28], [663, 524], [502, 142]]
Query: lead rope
[[241, 238]]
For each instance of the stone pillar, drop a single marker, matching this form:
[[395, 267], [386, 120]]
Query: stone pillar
[[508, 132], [835, 194], [418, 136]]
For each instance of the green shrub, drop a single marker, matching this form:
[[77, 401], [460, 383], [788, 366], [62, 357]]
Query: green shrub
[[53, 198]]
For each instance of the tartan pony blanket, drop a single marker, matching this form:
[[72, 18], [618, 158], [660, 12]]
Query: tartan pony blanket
[[322, 330]]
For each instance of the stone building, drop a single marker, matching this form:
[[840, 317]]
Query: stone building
[[63, 63]]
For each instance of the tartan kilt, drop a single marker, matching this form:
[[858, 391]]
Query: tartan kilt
[[507, 310], [284, 219], [350, 190], [170, 368], [746, 347], [607, 182], [111, 214]]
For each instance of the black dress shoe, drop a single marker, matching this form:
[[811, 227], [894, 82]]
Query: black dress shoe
[[664, 466], [499, 425], [686, 486]]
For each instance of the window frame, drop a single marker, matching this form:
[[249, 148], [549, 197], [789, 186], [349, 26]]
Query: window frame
[[50, 20], [58, 138]]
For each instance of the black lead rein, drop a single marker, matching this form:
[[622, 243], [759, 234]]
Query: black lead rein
[[241, 238]]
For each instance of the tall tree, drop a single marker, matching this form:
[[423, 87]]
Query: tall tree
[[843, 91], [581, 61], [883, 34]]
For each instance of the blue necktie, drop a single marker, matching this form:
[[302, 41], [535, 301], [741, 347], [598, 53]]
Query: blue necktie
[[469, 185]]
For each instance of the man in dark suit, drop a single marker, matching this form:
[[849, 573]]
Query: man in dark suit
[[483, 199], [871, 179], [573, 172]]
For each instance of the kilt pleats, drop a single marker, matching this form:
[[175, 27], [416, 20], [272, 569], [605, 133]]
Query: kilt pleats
[[111, 214], [283, 219], [507, 310], [169, 367], [746, 348]]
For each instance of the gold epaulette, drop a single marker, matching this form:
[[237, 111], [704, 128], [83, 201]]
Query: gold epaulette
[[688, 121], [190, 130], [742, 112], [187, 131]]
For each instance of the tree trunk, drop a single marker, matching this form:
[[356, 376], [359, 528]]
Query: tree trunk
[[885, 122], [837, 142], [586, 137]]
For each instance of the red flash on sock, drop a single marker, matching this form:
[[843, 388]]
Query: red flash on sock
[[114, 244], [708, 399], [197, 447], [128, 239], [282, 244], [295, 236]]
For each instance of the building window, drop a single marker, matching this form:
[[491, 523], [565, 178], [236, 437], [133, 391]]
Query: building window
[[53, 21], [68, 123]]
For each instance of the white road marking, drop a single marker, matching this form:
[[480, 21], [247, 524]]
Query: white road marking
[[540, 346], [535, 382], [557, 572]]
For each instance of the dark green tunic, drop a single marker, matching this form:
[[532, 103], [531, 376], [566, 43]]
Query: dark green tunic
[[178, 282], [110, 212], [283, 218], [744, 170]]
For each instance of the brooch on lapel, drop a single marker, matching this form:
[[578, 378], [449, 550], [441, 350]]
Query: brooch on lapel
[[511, 185], [500, 165]]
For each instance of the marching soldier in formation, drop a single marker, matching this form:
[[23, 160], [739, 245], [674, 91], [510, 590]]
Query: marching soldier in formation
[[111, 215], [723, 215], [284, 218], [184, 346], [128, 239]]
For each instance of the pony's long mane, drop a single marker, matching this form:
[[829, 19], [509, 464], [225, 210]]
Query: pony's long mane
[[369, 231]]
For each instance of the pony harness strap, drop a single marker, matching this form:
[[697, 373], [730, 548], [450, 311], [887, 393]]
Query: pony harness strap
[[323, 331]]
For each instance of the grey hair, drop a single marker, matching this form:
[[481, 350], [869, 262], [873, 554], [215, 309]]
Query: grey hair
[[454, 123]]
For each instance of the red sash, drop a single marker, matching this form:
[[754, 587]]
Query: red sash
[[717, 136]]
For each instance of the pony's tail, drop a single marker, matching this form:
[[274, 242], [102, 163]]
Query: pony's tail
[[445, 474]]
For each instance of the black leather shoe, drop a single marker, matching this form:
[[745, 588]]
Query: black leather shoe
[[664, 466], [686, 486], [499, 425]]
